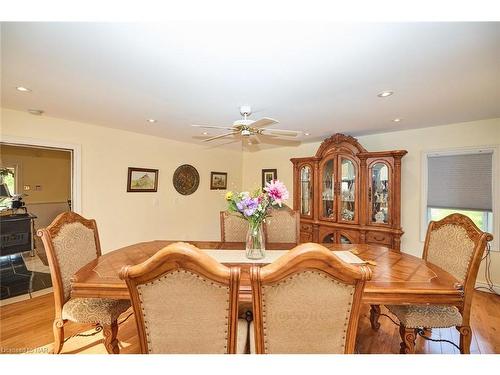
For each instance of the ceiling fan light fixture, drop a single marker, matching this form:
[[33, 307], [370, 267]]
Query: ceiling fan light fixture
[[23, 89], [151, 120], [307, 133], [397, 119]]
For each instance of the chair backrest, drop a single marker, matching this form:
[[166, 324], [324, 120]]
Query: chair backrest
[[184, 301], [456, 245], [307, 301], [283, 225], [70, 241], [232, 227]]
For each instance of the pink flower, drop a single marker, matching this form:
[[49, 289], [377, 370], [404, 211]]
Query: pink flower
[[277, 191]]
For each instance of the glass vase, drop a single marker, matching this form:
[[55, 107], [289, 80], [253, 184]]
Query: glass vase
[[255, 242]]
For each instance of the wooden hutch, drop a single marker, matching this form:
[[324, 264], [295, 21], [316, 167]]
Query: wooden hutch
[[346, 194]]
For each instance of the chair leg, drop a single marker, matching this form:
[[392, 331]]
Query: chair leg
[[374, 316], [408, 337], [465, 339], [58, 329], [110, 341]]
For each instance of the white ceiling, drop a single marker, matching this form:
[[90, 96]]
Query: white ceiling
[[319, 78]]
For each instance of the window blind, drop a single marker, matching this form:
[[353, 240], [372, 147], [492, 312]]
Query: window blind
[[460, 181]]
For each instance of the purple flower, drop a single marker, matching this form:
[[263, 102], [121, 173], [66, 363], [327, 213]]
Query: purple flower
[[247, 206]]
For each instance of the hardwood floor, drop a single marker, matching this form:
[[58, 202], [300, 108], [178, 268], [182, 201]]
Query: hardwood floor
[[27, 327]]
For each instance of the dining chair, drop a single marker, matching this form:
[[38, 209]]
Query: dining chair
[[71, 242], [456, 245], [232, 227], [185, 302], [307, 301], [283, 226]]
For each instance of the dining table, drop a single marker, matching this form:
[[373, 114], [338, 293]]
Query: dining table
[[397, 277]]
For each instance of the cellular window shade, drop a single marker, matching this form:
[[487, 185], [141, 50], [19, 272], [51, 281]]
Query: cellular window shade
[[460, 181]]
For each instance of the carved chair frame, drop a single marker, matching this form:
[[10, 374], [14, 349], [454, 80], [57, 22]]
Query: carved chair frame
[[309, 256], [480, 239], [183, 256], [47, 235]]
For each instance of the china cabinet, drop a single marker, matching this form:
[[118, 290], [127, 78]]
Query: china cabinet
[[346, 194]]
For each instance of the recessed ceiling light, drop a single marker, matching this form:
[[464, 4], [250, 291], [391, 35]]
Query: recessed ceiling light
[[205, 133], [397, 119], [22, 89], [36, 112], [307, 133], [151, 120], [385, 94]]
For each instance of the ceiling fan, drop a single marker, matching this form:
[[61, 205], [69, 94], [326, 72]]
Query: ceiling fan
[[251, 129]]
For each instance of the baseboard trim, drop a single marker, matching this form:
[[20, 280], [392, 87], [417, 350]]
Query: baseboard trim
[[496, 287]]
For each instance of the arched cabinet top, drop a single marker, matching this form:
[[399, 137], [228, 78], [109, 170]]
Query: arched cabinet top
[[338, 143]]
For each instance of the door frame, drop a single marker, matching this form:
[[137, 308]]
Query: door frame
[[76, 162]]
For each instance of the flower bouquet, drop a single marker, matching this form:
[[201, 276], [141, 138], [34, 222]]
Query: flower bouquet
[[255, 208]]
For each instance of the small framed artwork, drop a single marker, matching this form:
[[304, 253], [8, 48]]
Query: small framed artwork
[[142, 180], [218, 180], [268, 175]]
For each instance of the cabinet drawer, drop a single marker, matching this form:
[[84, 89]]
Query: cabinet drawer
[[379, 238], [306, 228]]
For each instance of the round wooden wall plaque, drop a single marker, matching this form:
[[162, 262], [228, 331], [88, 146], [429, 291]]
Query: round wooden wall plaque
[[186, 179]]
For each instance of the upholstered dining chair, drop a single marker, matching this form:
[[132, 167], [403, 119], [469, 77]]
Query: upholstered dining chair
[[307, 301], [185, 302], [232, 227], [283, 225], [456, 245], [70, 242]]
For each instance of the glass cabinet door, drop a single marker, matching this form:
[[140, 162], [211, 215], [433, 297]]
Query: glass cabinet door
[[347, 190], [328, 190], [306, 190], [379, 193], [329, 238], [344, 240]]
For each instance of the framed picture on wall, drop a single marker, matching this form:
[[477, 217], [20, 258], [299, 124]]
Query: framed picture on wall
[[218, 180], [268, 175], [142, 180]]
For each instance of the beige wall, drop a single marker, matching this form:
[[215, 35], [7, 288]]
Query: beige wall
[[126, 218], [477, 133], [50, 169]]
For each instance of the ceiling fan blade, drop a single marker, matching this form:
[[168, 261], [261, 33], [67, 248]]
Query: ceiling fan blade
[[221, 144], [283, 132], [219, 136], [213, 127], [264, 121], [280, 142]]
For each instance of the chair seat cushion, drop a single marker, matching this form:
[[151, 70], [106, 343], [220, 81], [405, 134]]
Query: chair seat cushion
[[427, 316], [94, 310]]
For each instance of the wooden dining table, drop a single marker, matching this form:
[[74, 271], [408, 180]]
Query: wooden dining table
[[397, 277]]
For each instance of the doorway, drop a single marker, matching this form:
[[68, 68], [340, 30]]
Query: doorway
[[40, 180]]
